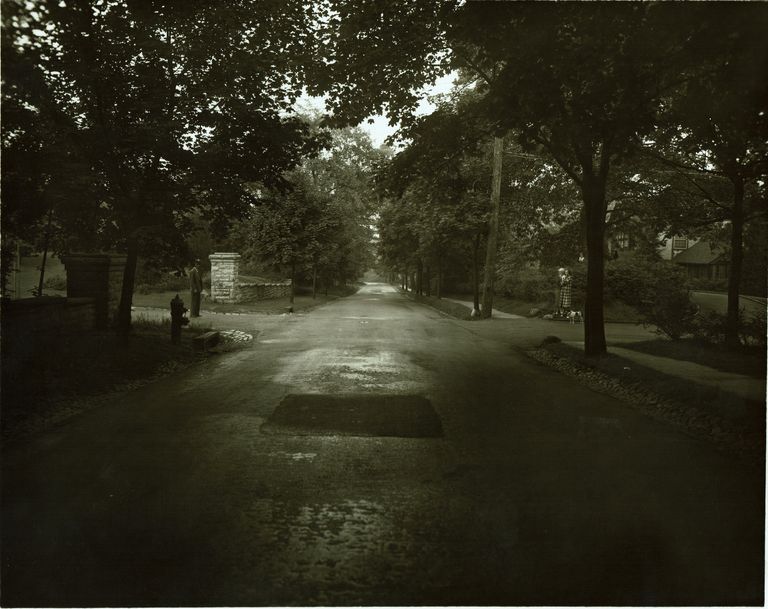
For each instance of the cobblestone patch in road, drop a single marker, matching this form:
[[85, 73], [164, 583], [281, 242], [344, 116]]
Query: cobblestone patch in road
[[725, 435]]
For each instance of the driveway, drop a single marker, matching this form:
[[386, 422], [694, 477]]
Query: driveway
[[511, 485]]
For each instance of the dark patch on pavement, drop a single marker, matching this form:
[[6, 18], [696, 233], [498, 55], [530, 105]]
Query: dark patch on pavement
[[402, 416]]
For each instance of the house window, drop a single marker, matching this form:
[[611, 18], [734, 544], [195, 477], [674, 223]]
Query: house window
[[622, 241], [679, 243]]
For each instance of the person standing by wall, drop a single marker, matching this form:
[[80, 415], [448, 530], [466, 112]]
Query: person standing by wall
[[196, 287]]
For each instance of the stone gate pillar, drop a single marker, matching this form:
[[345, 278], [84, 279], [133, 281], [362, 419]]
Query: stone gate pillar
[[97, 276], [225, 268]]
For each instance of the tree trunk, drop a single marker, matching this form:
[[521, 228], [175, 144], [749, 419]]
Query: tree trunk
[[46, 242], [314, 281], [493, 228], [419, 277], [737, 260], [476, 274], [428, 281], [293, 282], [129, 279], [593, 194], [439, 290]]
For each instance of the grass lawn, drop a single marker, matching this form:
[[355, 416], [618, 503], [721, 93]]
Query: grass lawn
[[49, 385], [617, 312], [702, 397], [455, 310], [747, 360], [302, 302], [67, 376]]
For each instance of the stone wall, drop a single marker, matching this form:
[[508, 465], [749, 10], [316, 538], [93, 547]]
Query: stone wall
[[225, 268], [97, 276], [227, 287], [249, 292], [31, 325]]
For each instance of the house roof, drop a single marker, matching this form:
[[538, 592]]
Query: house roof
[[700, 253]]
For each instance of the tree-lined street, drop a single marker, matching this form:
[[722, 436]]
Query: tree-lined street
[[538, 491], [513, 355]]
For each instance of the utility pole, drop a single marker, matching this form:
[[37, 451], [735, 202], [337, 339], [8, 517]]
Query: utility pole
[[493, 229]]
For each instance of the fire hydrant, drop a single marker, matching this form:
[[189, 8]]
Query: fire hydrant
[[178, 319]]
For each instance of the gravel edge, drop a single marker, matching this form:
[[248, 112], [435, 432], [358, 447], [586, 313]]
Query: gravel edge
[[725, 436]]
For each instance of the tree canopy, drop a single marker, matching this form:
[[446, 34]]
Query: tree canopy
[[125, 122], [583, 83], [171, 107]]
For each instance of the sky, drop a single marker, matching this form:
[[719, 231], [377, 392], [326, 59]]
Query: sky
[[380, 128]]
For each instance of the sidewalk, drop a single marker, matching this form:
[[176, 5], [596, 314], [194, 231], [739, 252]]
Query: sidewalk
[[494, 313], [745, 387]]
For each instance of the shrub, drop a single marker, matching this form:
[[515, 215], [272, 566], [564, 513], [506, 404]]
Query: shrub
[[529, 285], [633, 279], [578, 286], [163, 282], [658, 288], [754, 331], [711, 327], [57, 282], [671, 310]]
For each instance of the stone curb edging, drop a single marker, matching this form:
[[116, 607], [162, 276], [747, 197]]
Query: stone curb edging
[[726, 436]]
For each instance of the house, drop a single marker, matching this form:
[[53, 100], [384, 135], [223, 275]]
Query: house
[[703, 261], [673, 246]]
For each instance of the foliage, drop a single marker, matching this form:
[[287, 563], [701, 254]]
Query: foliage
[[159, 108], [658, 288], [442, 181], [671, 311], [716, 133], [572, 87], [713, 327], [320, 225], [709, 285], [153, 280], [754, 280], [581, 83], [754, 331], [58, 283], [437, 191], [534, 285]]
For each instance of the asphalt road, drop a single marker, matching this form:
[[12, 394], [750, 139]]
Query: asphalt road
[[538, 491]]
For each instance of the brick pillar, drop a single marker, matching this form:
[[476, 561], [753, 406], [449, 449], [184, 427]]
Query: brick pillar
[[98, 276], [225, 268]]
